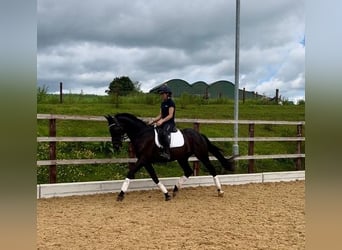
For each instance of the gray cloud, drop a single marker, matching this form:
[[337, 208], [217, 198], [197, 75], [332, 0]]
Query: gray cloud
[[85, 44]]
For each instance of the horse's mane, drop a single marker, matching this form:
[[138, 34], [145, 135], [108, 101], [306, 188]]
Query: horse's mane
[[131, 117]]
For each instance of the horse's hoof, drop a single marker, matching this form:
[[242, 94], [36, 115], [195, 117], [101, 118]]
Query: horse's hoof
[[220, 193], [175, 191], [120, 198], [167, 197]]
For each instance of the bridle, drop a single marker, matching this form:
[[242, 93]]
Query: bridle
[[113, 124], [119, 128]]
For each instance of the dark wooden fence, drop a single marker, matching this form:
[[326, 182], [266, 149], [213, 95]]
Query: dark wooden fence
[[53, 139]]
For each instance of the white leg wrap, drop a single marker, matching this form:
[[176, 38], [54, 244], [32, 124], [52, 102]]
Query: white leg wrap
[[162, 187], [181, 181], [125, 185], [217, 182]]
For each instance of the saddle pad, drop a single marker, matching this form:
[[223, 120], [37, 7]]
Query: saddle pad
[[177, 139]]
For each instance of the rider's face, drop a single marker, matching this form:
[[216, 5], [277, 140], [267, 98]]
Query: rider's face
[[163, 96]]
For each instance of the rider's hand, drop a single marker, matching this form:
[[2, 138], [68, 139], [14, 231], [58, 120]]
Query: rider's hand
[[160, 122]]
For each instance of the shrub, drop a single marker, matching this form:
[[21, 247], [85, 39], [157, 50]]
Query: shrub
[[41, 93]]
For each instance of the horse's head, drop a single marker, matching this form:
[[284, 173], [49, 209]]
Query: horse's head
[[116, 131]]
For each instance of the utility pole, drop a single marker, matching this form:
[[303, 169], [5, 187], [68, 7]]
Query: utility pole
[[236, 102]]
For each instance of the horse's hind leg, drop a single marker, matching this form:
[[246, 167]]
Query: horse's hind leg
[[205, 160], [187, 172]]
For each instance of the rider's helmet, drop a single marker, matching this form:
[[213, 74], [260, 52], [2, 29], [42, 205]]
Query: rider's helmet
[[165, 89]]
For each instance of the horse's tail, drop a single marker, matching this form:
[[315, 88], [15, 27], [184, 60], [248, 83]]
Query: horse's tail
[[216, 151]]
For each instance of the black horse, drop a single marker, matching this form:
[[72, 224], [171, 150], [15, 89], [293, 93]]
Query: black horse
[[147, 152]]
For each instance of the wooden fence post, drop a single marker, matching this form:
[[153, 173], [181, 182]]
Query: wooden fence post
[[196, 163], [52, 153], [61, 92], [251, 148], [299, 145]]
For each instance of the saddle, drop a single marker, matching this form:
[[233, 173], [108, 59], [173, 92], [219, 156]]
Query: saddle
[[177, 139]]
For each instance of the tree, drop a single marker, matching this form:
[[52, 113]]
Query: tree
[[122, 86]]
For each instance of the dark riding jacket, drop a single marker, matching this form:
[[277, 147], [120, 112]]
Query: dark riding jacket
[[169, 125]]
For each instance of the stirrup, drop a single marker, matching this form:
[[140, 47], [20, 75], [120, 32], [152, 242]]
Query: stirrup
[[165, 155]]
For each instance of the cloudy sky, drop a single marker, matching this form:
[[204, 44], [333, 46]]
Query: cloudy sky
[[85, 44]]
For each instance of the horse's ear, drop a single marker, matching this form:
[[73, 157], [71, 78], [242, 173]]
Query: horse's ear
[[108, 117]]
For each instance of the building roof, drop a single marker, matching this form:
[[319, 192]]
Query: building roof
[[221, 88]]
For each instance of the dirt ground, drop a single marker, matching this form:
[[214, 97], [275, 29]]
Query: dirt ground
[[251, 216]]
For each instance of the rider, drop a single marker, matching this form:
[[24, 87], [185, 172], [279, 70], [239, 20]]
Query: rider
[[166, 119]]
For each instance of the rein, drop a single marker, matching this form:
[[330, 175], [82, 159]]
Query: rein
[[134, 121]]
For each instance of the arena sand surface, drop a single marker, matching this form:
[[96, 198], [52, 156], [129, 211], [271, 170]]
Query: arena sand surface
[[250, 216]]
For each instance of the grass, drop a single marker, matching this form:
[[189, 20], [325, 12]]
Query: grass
[[147, 105]]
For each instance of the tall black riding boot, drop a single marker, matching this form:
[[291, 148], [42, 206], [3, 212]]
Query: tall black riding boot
[[166, 147]]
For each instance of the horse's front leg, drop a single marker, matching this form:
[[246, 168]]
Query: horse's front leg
[[187, 172], [126, 182], [154, 177], [179, 184]]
